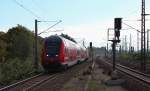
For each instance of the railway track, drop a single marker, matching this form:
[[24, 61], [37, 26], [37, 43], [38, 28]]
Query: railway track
[[29, 83], [145, 78], [19, 82], [59, 82], [47, 82]]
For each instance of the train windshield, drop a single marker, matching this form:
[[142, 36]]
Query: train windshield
[[52, 45]]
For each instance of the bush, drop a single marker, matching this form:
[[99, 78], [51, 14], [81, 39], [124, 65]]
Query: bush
[[14, 69], [131, 57], [17, 54], [20, 42]]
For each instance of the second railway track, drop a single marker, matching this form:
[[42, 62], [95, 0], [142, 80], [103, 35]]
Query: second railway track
[[144, 78]]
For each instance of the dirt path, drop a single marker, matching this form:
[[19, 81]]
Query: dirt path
[[90, 82], [100, 79]]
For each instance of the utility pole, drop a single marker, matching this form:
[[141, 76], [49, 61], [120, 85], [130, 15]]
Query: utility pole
[[105, 52], [91, 51], [143, 36], [84, 44], [130, 44], [120, 49], [148, 42], [92, 55], [36, 46], [107, 40], [108, 31], [123, 46], [137, 35], [138, 41], [114, 55], [126, 44]]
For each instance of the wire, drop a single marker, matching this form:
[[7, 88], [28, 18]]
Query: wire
[[33, 1], [46, 21], [43, 11], [131, 27], [137, 20], [28, 10], [53, 31], [50, 27]]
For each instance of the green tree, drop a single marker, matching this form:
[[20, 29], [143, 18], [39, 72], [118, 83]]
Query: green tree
[[20, 42], [17, 45], [3, 47]]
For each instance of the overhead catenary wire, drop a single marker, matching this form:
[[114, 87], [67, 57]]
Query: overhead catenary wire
[[37, 5], [131, 27], [43, 11], [135, 11], [28, 10], [50, 27], [137, 20]]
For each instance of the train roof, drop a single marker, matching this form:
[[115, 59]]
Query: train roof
[[57, 37], [66, 41], [53, 37]]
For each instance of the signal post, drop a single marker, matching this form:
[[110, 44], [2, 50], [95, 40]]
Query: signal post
[[117, 28]]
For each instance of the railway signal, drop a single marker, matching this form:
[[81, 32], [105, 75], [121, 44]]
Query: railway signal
[[117, 28], [91, 50], [118, 24], [92, 55]]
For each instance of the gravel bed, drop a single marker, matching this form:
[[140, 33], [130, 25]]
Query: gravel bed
[[136, 64], [24, 85], [58, 83], [131, 83]]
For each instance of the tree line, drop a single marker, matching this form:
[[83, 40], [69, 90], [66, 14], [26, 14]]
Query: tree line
[[17, 53]]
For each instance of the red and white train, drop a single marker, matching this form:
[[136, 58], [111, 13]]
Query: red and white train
[[60, 52]]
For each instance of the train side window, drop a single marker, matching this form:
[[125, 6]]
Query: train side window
[[78, 52], [65, 50]]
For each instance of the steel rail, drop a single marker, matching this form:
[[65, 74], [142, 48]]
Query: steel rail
[[20, 82], [138, 72], [133, 73], [41, 82]]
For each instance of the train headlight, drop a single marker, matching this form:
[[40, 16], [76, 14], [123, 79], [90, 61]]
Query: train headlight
[[56, 55], [47, 55]]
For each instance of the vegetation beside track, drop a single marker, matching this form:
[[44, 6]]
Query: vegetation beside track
[[17, 54], [130, 56], [93, 86]]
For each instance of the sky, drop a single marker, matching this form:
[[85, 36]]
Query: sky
[[86, 20]]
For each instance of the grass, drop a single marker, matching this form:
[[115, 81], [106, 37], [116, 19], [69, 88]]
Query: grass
[[16, 69], [68, 87], [132, 57], [93, 86]]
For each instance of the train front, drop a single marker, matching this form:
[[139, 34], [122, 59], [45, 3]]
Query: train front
[[52, 55]]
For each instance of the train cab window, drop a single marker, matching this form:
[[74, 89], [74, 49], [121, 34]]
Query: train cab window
[[52, 45]]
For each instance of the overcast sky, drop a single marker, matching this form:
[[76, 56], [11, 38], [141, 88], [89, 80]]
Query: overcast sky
[[81, 19]]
